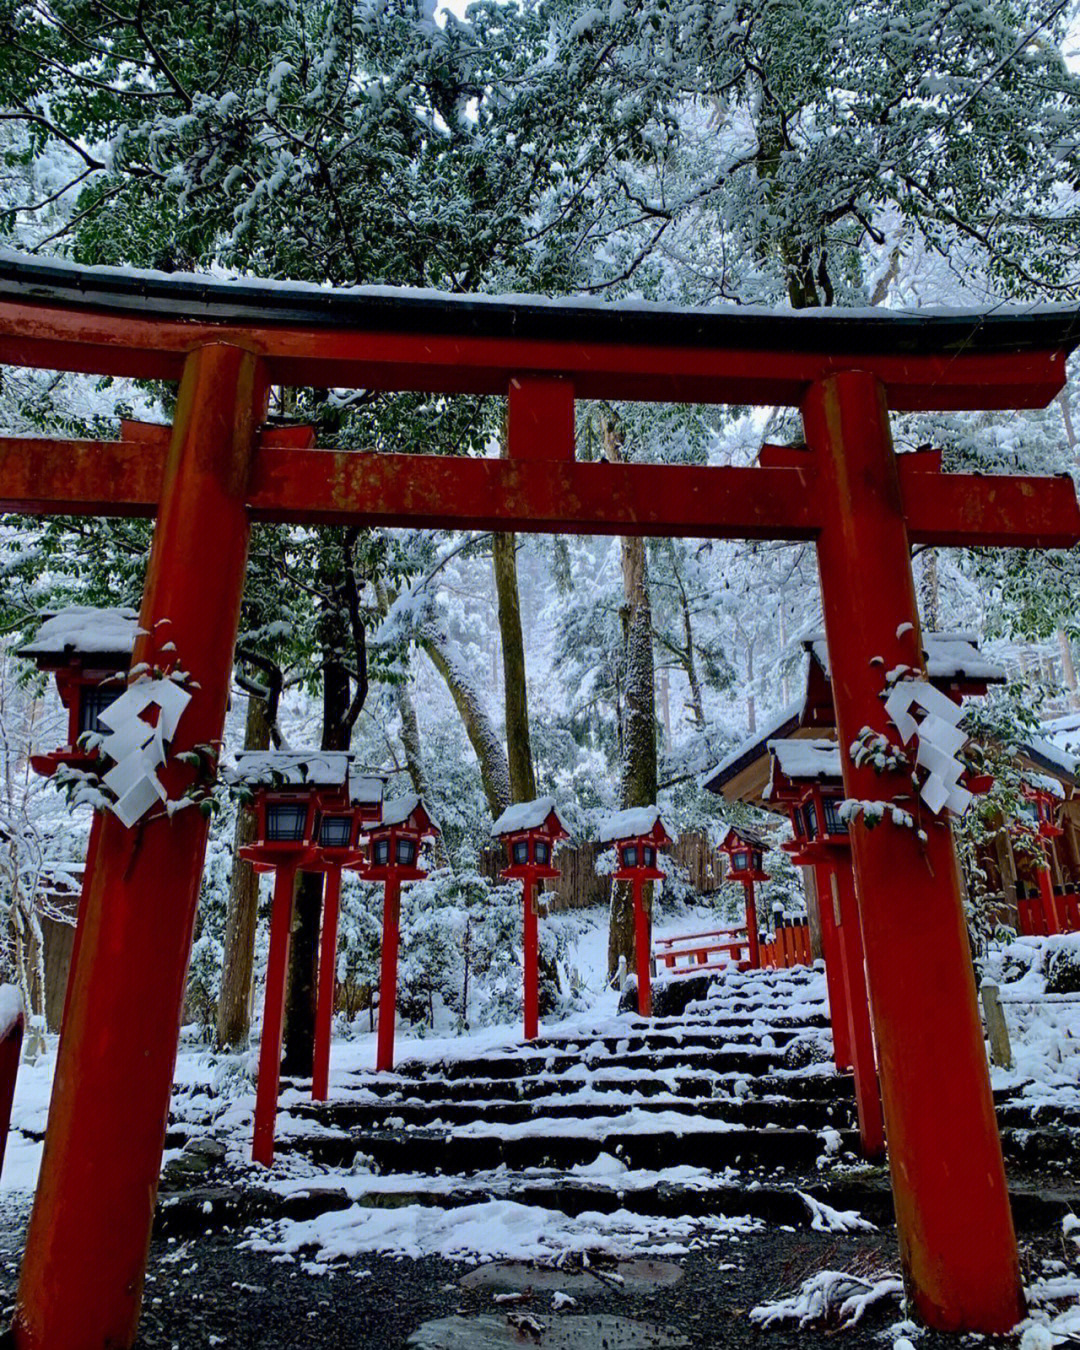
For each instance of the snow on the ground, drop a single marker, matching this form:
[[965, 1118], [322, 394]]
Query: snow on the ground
[[492, 1229], [1044, 1029]]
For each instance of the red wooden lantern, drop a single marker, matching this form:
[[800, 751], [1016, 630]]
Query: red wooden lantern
[[87, 649], [340, 846], [746, 854], [806, 776], [530, 831], [393, 857], [1039, 808], [291, 790], [637, 835]]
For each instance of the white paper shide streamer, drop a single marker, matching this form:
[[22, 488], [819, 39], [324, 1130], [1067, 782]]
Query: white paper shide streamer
[[939, 741], [138, 748]]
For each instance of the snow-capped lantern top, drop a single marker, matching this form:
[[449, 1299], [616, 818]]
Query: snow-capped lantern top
[[293, 791], [1042, 795], [746, 852], [530, 830], [806, 775], [394, 850], [87, 649], [637, 835]]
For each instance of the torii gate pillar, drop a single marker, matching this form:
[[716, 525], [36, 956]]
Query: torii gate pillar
[[957, 1243], [82, 1274]]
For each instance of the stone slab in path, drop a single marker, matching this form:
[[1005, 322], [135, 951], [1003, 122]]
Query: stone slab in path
[[634, 1277], [495, 1331]]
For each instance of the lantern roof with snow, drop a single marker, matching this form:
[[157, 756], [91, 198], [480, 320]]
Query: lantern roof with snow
[[738, 836], [285, 770], [806, 761], [97, 635], [531, 817], [407, 813], [636, 822]]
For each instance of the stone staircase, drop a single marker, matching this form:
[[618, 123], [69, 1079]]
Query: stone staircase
[[731, 1108]]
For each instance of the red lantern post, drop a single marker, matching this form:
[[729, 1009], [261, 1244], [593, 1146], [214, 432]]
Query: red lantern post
[[292, 791], [637, 835], [746, 853], [340, 847], [806, 776], [394, 853], [530, 830]]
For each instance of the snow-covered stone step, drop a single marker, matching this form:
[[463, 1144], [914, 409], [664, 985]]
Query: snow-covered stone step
[[749, 1059], [756, 1032], [691, 1083], [640, 1139], [809, 1113]]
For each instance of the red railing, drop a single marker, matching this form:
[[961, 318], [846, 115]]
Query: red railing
[[789, 946], [1032, 920]]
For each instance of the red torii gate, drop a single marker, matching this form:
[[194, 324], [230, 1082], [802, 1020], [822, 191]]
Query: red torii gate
[[217, 469]]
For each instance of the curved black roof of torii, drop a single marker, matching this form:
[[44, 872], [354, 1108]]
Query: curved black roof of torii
[[403, 310]]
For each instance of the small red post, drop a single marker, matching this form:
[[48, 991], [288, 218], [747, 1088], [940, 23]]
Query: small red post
[[753, 940], [839, 1012], [532, 958], [86, 1249], [957, 1243], [277, 972], [324, 1013], [860, 1034], [384, 1053], [642, 949], [1049, 900], [10, 1050]]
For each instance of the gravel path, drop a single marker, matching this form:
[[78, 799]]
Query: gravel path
[[211, 1291]]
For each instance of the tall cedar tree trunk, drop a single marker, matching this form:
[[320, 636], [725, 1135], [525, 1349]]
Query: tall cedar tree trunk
[[639, 769], [518, 747], [307, 910], [234, 1005], [484, 739]]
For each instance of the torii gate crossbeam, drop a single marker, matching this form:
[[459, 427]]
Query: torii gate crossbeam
[[217, 469]]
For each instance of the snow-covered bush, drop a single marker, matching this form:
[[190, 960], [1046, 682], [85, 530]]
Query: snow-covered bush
[[1063, 968]]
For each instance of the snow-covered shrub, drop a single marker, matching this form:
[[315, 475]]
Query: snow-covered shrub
[[1063, 968], [461, 950], [204, 981]]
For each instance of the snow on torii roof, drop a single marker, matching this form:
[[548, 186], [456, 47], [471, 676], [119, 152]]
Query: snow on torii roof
[[949, 656], [245, 299], [633, 823], [290, 768], [527, 816], [89, 630]]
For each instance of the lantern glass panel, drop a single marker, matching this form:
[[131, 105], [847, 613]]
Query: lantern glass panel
[[405, 852], [810, 815], [542, 851], [380, 851], [757, 860], [1028, 811], [648, 854], [740, 861], [285, 822], [834, 822], [629, 855], [520, 852], [93, 700], [335, 831]]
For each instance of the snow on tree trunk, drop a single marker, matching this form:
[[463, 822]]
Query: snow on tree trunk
[[484, 739], [518, 747], [639, 774], [234, 1005]]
